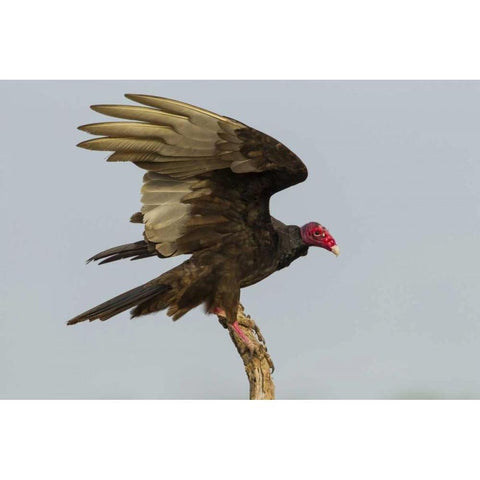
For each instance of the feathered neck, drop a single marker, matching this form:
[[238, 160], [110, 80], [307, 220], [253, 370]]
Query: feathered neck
[[290, 245]]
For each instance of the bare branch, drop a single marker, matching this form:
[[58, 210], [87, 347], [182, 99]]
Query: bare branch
[[258, 364]]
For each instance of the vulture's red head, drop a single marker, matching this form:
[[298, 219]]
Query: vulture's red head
[[315, 235]]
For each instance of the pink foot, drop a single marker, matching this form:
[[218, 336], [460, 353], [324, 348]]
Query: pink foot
[[236, 327], [242, 335]]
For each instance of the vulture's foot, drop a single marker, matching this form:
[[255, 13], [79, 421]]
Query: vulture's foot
[[247, 322], [255, 346], [252, 348], [235, 327]]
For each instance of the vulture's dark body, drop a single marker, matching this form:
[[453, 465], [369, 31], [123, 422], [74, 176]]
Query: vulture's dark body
[[215, 277], [206, 194]]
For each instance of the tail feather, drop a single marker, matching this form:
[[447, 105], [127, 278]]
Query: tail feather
[[131, 298], [179, 290], [134, 251]]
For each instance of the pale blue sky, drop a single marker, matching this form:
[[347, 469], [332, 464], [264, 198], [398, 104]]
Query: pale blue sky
[[394, 173]]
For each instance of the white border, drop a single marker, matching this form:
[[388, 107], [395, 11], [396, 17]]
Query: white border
[[239, 439], [251, 39]]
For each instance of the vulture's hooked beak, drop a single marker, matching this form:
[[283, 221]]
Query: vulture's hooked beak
[[336, 250]]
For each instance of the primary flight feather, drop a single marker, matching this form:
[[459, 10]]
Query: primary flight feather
[[206, 193]]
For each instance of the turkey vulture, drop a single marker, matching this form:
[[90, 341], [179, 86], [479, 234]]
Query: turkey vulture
[[206, 193]]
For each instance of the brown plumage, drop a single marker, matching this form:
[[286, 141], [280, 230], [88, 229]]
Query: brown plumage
[[206, 193]]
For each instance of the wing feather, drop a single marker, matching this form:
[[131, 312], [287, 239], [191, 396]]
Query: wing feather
[[179, 123], [195, 193], [133, 144], [197, 116]]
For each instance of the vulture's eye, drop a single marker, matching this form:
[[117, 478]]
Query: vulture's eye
[[316, 233]]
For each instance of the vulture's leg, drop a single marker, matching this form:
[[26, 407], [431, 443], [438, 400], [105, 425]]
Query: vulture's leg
[[236, 328], [247, 322], [245, 339]]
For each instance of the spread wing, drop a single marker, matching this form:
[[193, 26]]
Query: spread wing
[[209, 177]]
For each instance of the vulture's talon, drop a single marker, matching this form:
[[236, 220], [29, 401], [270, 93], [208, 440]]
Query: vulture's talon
[[270, 362]]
